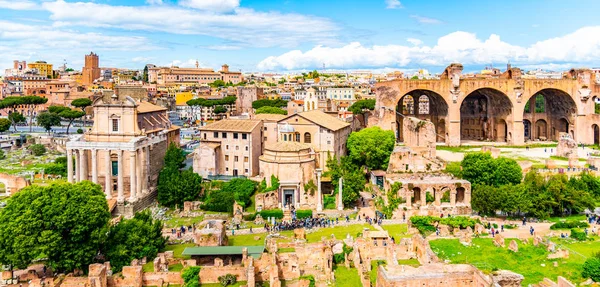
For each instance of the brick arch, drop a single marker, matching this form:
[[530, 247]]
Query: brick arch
[[560, 112], [486, 114], [437, 110]]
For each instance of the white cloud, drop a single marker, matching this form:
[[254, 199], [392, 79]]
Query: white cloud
[[425, 20], [41, 42], [190, 63], [393, 4], [414, 41], [222, 47], [581, 46], [141, 59], [245, 26], [18, 5], [213, 5]]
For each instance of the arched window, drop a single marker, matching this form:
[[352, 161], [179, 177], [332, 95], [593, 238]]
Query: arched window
[[284, 138], [307, 137], [408, 105], [423, 105]]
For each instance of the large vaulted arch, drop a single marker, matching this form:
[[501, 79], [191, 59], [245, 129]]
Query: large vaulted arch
[[486, 115], [425, 105], [552, 111]]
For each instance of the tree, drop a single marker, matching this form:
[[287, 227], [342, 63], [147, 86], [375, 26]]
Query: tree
[[219, 110], [353, 178], [48, 120], [271, 110], [32, 102], [145, 74], [191, 276], [176, 186], [508, 171], [591, 268], [4, 125], [82, 103], [63, 223], [138, 237], [37, 149], [361, 105], [278, 103], [238, 189], [16, 118], [481, 168], [217, 84], [371, 147], [58, 167], [66, 113]]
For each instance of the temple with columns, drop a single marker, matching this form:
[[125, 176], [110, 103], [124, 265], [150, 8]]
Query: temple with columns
[[123, 151]]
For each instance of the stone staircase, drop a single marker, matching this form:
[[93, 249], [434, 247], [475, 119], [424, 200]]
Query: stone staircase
[[287, 215]]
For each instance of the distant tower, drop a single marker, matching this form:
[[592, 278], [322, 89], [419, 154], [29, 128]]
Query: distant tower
[[225, 68], [197, 64], [91, 70]]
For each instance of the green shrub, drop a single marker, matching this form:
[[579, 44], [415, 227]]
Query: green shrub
[[191, 276], [425, 224], [511, 226], [569, 225], [37, 149], [79, 131], [227, 279], [2, 155], [329, 202], [578, 235], [250, 217], [306, 213], [277, 213], [309, 278], [591, 268]]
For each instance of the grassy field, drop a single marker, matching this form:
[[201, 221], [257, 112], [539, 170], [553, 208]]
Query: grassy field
[[578, 217], [411, 262], [340, 232], [396, 230], [238, 284], [530, 261], [346, 277]]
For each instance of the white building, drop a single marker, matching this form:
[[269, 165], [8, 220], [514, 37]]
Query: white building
[[340, 94]]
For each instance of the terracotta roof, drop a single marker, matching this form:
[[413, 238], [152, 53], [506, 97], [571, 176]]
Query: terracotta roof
[[269, 117], [231, 125], [287, 146], [145, 107], [322, 119], [300, 102]]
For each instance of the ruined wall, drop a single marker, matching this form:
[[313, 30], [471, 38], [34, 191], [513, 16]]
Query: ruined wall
[[210, 274]]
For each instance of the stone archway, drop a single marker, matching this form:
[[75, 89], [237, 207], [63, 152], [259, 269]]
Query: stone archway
[[425, 105], [527, 129], [486, 114], [596, 132], [555, 108]]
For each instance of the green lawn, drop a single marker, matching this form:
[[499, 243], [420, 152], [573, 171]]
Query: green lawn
[[185, 221], [396, 230], [530, 261], [578, 217], [176, 267], [339, 232], [374, 266], [286, 250], [346, 277], [238, 284], [178, 249], [148, 267], [412, 262]]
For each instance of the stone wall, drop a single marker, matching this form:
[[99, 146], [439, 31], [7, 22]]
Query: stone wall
[[210, 274], [13, 183], [447, 275]]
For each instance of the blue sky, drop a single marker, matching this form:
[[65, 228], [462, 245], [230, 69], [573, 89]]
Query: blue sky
[[284, 35]]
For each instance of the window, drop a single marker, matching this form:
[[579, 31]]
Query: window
[[265, 139], [245, 159], [246, 170], [328, 142], [244, 136], [226, 158], [226, 169], [235, 158], [307, 138], [237, 147], [216, 135], [284, 138], [235, 136], [265, 128], [115, 168], [226, 146], [224, 135], [247, 146], [205, 136], [115, 125]]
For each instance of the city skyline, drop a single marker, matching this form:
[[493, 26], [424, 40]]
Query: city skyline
[[301, 35]]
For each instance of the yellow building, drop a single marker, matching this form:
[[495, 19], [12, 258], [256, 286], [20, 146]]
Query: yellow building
[[181, 98], [42, 67]]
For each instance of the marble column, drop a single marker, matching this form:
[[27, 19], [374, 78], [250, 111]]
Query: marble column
[[423, 197], [138, 174], [108, 185], [120, 195], [83, 174], [319, 195], [70, 165], [340, 195], [438, 197], [94, 165], [453, 197], [77, 166], [146, 178], [132, 177]]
